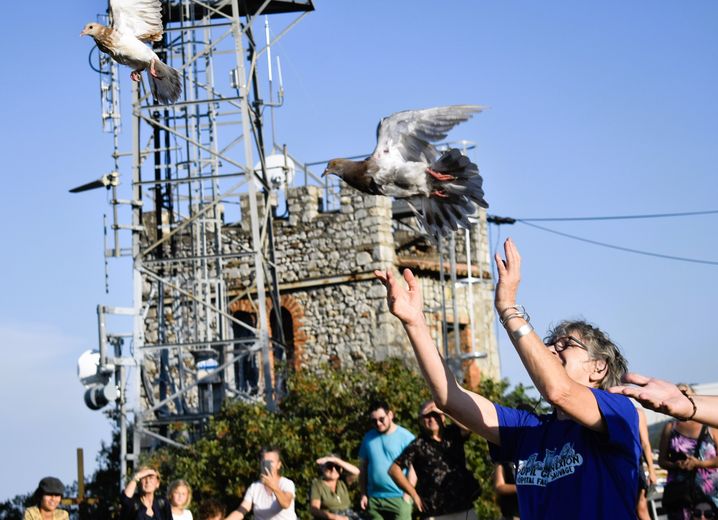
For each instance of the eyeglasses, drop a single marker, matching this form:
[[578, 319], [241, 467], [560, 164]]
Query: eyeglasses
[[381, 419], [331, 467], [562, 343], [701, 513], [431, 415]]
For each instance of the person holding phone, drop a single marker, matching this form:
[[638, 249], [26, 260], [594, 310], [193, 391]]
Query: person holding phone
[[272, 496]]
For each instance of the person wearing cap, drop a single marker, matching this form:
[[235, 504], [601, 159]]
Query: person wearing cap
[[329, 496], [138, 500], [47, 498]]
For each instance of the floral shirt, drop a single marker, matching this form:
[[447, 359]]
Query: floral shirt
[[706, 479], [443, 482]]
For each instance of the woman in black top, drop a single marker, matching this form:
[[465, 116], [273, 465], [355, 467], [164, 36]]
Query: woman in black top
[[138, 500]]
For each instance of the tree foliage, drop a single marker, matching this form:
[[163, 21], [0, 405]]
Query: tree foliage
[[323, 412], [13, 508]]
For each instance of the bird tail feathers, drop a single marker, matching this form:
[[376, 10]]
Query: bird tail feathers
[[452, 201], [166, 87]]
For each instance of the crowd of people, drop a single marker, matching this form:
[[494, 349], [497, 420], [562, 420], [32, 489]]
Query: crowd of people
[[583, 460]]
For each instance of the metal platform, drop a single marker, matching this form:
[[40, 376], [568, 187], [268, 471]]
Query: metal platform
[[176, 11]]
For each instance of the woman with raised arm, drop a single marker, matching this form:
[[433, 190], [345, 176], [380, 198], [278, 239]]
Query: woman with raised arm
[[138, 500], [581, 461], [329, 495]]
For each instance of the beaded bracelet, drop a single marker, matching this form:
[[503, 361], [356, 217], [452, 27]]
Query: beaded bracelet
[[695, 408]]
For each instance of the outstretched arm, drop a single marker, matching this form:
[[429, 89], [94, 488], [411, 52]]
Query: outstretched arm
[[544, 367], [664, 397], [469, 408]]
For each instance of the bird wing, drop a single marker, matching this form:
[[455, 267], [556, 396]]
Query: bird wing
[[139, 18], [411, 132]]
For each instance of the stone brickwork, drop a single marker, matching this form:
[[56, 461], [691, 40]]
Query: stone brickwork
[[337, 310], [326, 263]]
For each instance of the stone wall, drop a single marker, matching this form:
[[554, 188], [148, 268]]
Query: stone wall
[[325, 263]]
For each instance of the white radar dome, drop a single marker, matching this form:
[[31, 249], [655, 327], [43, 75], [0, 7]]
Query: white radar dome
[[280, 173]]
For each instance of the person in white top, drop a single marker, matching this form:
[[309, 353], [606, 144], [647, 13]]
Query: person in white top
[[272, 497], [180, 495]]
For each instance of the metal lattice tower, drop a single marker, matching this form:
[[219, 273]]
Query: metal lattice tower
[[190, 161]]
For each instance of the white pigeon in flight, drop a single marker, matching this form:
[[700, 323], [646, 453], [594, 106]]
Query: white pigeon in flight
[[133, 23], [443, 192]]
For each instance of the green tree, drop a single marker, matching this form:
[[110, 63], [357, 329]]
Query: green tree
[[13, 508]]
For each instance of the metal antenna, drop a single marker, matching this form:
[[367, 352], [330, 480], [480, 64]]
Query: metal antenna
[[190, 338]]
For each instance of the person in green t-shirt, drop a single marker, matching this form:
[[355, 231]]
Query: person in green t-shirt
[[329, 497]]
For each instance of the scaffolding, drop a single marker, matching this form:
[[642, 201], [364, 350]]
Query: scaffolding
[[190, 162], [197, 168]]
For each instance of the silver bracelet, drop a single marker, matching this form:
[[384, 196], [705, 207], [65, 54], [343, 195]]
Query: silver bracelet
[[522, 331], [523, 315], [520, 311]]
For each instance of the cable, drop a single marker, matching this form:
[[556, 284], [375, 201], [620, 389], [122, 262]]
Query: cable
[[89, 60], [620, 248], [622, 217]]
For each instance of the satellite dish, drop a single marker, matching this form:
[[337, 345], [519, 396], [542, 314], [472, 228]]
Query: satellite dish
[[88, 367], [280, 171], [99, 391], [89, 370]]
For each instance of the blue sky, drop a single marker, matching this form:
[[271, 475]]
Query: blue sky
[[607, 109]]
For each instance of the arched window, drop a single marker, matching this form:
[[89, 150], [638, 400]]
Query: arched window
[[246, 370], [283, 348]]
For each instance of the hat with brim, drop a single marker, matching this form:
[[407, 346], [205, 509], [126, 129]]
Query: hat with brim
[[51, 486]]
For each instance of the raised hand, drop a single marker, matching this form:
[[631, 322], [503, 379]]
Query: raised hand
[[655, 394], [404, 303], [509, 276]]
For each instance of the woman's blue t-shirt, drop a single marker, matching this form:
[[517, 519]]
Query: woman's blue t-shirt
[[565, 470]]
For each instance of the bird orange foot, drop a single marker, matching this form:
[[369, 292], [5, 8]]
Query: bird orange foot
[[440, 193], [443, 177], [153, 72], [135, 75]]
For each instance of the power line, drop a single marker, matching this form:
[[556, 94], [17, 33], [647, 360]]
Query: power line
[[620, 248], [621, 217]]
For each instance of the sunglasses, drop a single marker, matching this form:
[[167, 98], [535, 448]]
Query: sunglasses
[[562, 343], [331, 467], [431, 415], [381, 419], [700, 513]]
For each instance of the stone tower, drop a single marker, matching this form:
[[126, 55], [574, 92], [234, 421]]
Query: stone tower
[[334, 311]]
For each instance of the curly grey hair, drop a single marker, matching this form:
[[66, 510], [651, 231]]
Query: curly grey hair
[[600, 347]]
